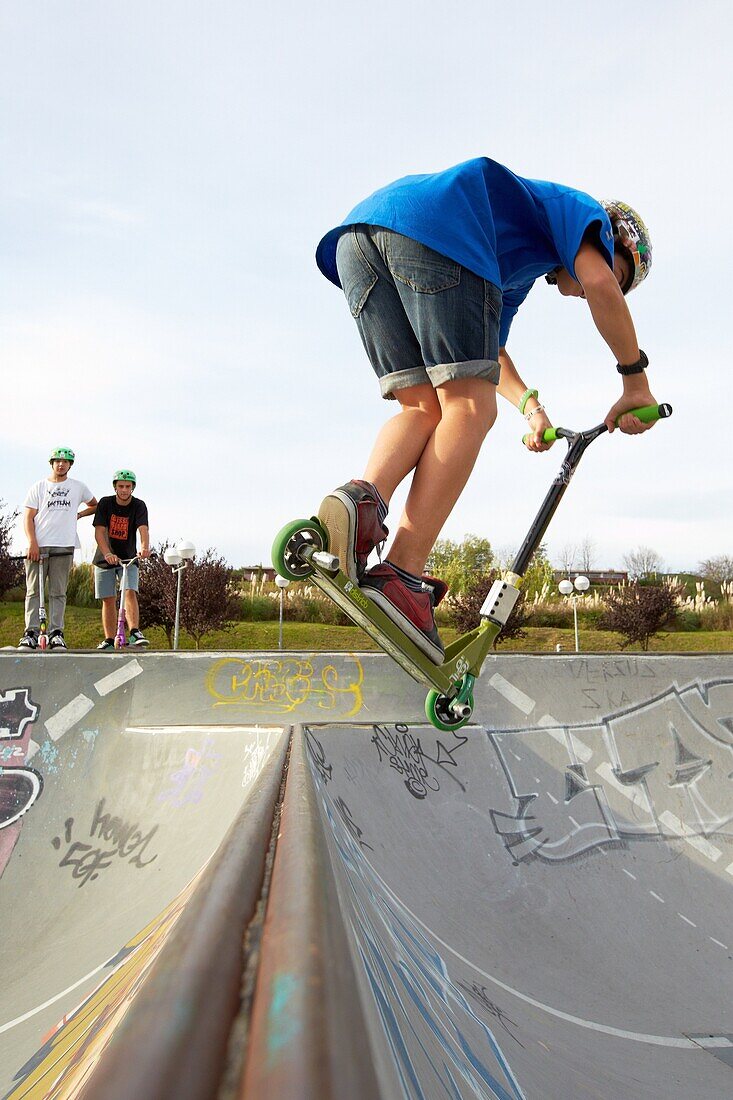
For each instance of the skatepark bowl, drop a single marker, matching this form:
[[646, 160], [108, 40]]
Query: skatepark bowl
[[266, 876]]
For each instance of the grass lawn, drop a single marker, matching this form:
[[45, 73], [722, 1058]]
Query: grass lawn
[[84, 631]]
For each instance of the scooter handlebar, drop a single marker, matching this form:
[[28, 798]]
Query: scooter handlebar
[[648, 414]]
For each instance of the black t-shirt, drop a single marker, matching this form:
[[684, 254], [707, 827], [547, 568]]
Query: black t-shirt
[[122, 522]]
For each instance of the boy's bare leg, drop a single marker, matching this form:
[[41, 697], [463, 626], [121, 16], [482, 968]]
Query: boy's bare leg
[[132, 610], [444, 463], [402, 439], [109, 616]]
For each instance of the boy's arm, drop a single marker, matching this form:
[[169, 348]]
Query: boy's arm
[[101, 534], [607, 303], [89, 510], [613, 320], [144, 541], [29, 526], [512, 388]]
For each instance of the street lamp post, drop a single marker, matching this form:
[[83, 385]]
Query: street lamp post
[[574, 589], [178, 558], [282, 583]]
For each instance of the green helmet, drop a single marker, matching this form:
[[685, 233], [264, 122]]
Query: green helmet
[[124, 475], [65, 453]]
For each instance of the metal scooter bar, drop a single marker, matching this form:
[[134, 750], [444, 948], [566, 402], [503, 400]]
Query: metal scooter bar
[[578, 443]]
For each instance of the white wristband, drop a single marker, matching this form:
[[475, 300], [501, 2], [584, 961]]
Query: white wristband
[[529, 415]]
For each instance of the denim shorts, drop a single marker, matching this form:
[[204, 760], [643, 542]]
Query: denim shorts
[[421, 317], [105, 580]]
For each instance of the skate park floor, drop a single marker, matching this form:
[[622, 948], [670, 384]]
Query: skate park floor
[[252, 875]]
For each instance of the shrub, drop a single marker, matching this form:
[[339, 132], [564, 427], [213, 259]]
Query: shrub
[[254, 609], [554, 615], [687, 621], [157, 595], [307, 604], [466, 609], [719, 617], [80, 589], [638, 612]]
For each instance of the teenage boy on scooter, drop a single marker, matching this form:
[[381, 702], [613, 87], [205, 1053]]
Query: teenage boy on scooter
[[434, 268], [117, 521], [51, 510]]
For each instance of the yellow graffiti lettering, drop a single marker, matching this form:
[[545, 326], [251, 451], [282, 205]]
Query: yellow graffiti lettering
[[281, 685]]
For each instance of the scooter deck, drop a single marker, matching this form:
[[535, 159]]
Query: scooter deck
[[373, 621], [355, 605]]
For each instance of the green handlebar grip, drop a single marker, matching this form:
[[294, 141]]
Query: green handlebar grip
[[649, 413], [548, 436]]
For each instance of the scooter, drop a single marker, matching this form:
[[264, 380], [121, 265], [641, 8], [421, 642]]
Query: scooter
[[120, 636], [300, 551], [42, 620]]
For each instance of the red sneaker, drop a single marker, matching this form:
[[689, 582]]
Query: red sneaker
[[412, 612], [349, 514]]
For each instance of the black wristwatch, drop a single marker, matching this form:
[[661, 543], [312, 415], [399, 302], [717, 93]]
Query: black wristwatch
[[635, 368]]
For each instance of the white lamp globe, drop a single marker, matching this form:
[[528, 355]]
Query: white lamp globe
[[187, 550], [281, 582], [172, 557], [566, 587], [582, 584]]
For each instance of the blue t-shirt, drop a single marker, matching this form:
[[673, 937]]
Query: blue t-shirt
[[505, 228]]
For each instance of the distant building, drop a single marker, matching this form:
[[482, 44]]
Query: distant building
[[258, 572]]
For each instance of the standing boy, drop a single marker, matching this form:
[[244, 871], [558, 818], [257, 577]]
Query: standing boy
[[116, 522], [49, 519]]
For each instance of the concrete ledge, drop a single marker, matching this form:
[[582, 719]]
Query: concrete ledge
[[308, 1033]]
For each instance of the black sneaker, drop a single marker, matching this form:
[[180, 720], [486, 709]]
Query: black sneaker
[[108, 643], [29, 640], [137, 637], [350, 515], [56, 640]]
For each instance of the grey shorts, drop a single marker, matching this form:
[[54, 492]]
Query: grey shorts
[[421, 317], [105, 580]]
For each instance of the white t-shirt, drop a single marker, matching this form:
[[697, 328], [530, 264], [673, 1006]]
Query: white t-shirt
[[57, 503]]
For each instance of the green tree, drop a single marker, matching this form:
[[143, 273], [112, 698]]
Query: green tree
[[539, 573], [639, 611], [460, 563]]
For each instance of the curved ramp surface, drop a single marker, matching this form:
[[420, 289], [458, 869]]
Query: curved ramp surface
[[541, 908], [114, 798], [537, 906]]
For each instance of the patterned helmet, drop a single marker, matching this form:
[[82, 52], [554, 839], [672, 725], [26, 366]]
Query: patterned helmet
[[124, 475], [64, 453], [630, 239]]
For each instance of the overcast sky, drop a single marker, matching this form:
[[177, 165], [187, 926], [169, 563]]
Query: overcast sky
[[167, 170]]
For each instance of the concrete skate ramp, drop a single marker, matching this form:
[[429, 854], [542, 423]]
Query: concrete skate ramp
[[540, 906], [537, 906], [118, 802]]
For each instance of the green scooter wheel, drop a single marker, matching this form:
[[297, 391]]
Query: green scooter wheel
[[288, 544], [440, 715]]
